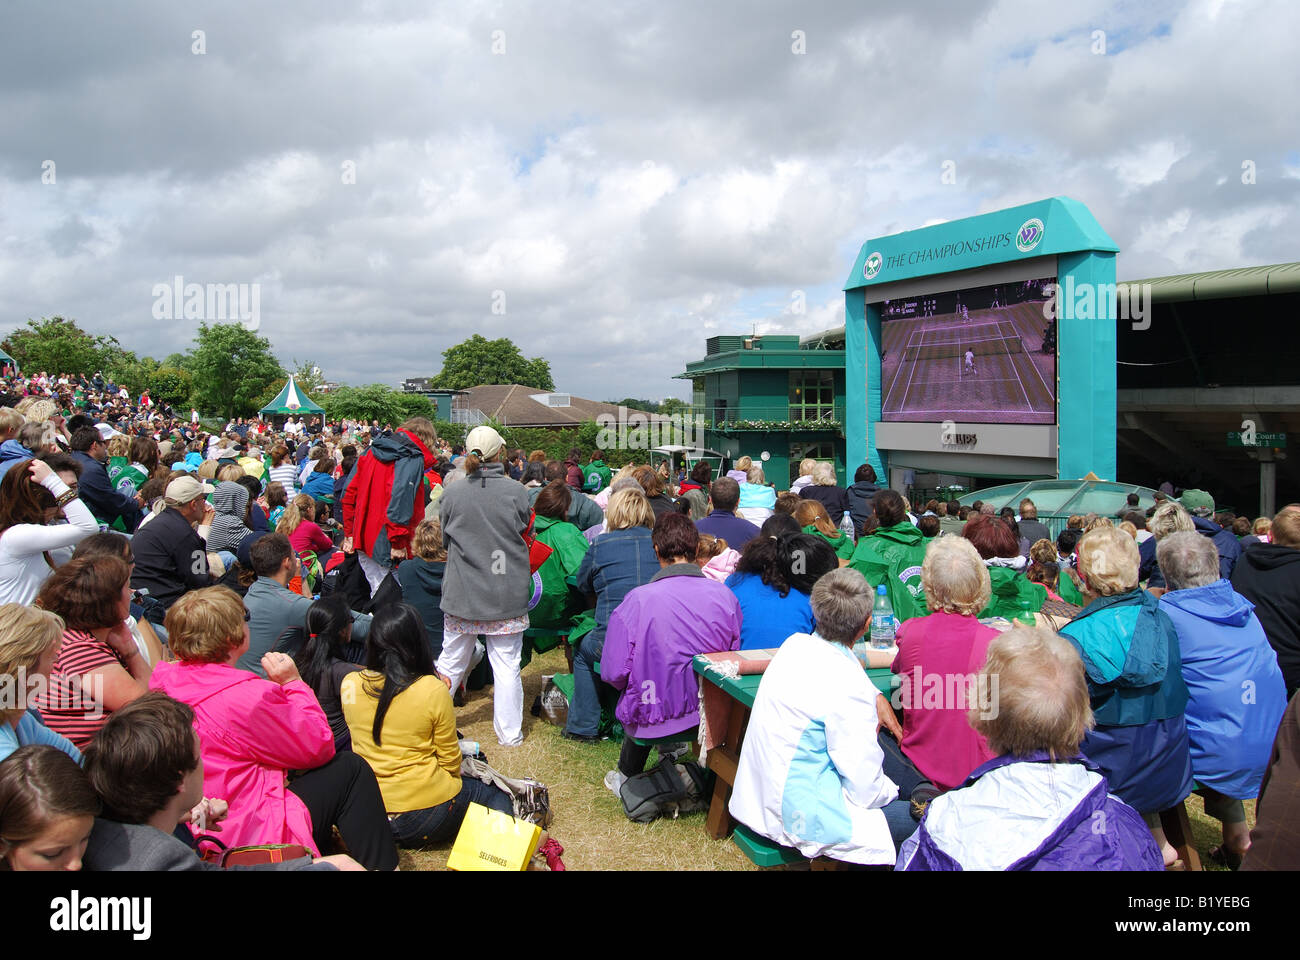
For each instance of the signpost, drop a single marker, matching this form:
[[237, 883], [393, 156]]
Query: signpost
[[1276, 441]]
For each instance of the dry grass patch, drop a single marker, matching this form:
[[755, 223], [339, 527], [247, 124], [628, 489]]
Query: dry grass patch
[[589, 820]]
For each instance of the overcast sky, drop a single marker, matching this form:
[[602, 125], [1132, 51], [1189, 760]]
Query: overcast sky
[[632, 178]]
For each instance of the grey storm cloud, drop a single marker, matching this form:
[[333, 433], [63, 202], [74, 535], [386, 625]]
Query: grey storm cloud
[[633, 179]]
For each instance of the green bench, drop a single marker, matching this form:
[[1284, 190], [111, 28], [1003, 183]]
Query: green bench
[[761, 851]]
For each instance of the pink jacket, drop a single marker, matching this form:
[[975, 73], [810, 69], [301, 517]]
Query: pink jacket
[[722, 566], [251, 732]]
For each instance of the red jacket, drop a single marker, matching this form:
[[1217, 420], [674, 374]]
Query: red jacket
[[368, 497]]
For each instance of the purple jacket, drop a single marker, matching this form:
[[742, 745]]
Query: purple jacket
[[1051, 816], [651, 640]]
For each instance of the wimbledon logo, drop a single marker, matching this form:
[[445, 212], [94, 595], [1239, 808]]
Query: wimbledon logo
[[872, 266], [1031, 232]]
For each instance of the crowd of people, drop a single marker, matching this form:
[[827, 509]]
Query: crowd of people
[[273, 628]]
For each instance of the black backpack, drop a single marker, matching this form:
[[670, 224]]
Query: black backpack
[[667, 790]]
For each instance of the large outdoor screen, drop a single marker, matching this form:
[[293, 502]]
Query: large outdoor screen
[[983, 355]]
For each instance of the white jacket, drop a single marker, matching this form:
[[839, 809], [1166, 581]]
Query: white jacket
[[810, 772]]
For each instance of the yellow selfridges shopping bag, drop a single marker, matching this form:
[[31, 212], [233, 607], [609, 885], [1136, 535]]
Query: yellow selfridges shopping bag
[[491, 840]]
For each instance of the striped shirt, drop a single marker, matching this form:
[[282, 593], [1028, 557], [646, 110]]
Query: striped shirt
[[73, 705], [285, 474]]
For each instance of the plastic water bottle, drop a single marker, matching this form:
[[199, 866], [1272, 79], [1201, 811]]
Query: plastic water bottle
[[1026, 616], [882, 620], [469, 748], [846, 527]]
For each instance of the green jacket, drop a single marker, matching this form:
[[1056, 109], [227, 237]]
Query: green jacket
[[843, 544], [1009, 589], [559, 603], [893, 556], [595, 476], [1066, 588]]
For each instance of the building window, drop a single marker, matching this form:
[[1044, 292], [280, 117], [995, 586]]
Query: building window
[[812, 395]]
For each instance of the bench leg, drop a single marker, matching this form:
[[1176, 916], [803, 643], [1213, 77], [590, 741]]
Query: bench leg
[[1178, 831]]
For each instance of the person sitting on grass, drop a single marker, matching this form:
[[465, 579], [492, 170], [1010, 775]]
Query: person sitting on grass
[[555, 603], [146, 765], [254, 731], [653, 638], [404, 726], [1036, 805], [1130, 651], [811, 775], [420, 578], [47, 810], [621, 559], [1224, 653], [326, 657]]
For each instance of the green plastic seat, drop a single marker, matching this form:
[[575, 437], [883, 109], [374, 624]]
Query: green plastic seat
[[761, 851], [686, 736]]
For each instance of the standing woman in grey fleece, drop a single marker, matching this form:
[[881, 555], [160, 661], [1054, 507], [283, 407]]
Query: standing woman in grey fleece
[[485, 589]]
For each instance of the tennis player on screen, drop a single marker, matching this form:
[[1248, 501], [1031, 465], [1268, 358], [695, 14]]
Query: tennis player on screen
[[970, 362]]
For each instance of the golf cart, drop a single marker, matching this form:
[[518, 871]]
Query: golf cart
[[685, 458]]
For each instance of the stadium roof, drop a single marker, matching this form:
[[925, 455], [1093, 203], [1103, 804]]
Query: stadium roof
[[1208, 285], [1218, 284]]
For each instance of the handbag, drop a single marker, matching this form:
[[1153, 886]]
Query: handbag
[[250, 855], [531, 799], [494, 841]]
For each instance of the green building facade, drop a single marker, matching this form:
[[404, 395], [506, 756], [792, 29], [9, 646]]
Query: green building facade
[[772, 395]]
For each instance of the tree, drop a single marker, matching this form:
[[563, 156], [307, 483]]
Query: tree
[[171, 387], [308, 376], [673, 405], [56, 346], [374, 401], [479, 360], [231, 368]]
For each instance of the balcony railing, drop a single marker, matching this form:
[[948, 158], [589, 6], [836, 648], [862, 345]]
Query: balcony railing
[[752, 417]]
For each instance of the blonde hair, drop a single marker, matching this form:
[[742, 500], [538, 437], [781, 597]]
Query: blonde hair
[[1128, 528], [426, 542], [954, 578], [1170, 517], [204, 626], [744, 463], [1285, 528], [207, 470], [119, 446], [811, 513], [806, 466], [1108, 561], [1261, 526], [1093, 522], [755, 475], [26, 633], [1041, 695], [824, 474], [297, 510], [41, 410], [1043, 551], [625, 472], [628, 508], [230, 473], [10, 420]]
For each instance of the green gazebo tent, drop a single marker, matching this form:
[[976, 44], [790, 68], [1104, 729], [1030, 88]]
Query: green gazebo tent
[[6, 359], [292, 400]]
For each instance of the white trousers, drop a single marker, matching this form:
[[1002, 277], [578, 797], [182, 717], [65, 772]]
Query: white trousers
[[507, 689]]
